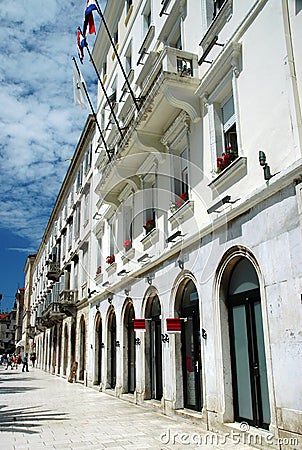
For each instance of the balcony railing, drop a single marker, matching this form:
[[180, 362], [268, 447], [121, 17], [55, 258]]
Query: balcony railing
[[68, 299], [53, 271]]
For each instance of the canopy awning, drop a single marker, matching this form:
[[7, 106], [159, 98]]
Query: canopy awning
[[20, 343]]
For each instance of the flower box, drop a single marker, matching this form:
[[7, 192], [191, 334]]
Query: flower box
[[110, 259], [150, 224]]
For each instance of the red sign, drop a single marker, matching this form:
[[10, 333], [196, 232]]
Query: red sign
[[173, 325], [139, 325]]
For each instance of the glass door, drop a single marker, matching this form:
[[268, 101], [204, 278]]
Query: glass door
[[191, 348], [250, 386], [156, 359]]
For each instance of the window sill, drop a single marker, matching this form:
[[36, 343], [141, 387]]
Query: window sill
[[150, 238], [128, 255], [111, 269], [181, 214], [217, 24], [99, 278], [230, 175]]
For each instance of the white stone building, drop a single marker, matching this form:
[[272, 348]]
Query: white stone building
[[188, 220]]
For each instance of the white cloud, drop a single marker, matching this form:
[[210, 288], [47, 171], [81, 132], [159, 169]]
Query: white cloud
[[39, 123]]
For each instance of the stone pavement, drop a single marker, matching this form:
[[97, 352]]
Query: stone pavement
[[42, 411]]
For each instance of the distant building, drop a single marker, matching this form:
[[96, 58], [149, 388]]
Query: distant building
[[170, 268], [19, 318], [7, 331]]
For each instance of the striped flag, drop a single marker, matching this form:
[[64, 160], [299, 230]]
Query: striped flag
[[89, 21], [81, 43]]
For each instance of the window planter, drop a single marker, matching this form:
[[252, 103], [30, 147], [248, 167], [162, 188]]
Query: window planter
[[99, 278], [127, 245], [182, 213], [111, 269], [128, 255], [150, 238], [150, 225], [230, 175]]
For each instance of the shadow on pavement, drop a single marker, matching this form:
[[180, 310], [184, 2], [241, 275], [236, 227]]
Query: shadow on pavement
[[24, 420]]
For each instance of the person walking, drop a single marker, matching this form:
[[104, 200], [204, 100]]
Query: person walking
[[33, 358], [9, 362], [25, 362]]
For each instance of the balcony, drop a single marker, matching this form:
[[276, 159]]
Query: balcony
[[68, 299], [52, 315], [53, 271]]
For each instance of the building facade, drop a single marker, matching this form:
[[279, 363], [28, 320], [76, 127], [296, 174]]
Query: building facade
[[170, 268]]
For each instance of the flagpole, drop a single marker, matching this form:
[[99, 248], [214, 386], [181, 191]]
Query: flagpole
[[92, 110], [103, 88], [117, 56]]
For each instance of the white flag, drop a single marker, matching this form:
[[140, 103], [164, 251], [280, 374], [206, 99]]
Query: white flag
[[78, 89]]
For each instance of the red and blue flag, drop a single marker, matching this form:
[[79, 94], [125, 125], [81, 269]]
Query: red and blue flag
[[81, 43], [89, 21]]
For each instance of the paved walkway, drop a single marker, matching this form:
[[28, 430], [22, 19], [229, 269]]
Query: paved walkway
[[41, 411]]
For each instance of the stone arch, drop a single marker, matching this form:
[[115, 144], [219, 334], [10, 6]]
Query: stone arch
[[222, 331]]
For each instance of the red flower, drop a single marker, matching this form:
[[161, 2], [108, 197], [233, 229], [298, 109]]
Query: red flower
[[182, 199], [99, 270], [150, 224], [110, 259], [127, 243]]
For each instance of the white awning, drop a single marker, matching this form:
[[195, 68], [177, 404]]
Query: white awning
[[20, 343]]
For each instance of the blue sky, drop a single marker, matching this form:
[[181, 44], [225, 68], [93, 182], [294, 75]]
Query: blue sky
[[39, 123]]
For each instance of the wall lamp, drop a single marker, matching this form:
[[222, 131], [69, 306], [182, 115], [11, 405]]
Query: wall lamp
[[90, 293], [223, 201], [110, 300], [144, 257], [165, 338], [122, 273], [174, 236], [106, 284], [266, 167]]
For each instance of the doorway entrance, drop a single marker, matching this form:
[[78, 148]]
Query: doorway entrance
[[153, 348], [98, 350], [129, 350], [111, 351], [191, 348], [249, 375]]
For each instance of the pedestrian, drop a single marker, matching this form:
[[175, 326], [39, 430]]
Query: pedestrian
[[33, 358], [19, 359], [25, 362], [9, 362], [15, 365]]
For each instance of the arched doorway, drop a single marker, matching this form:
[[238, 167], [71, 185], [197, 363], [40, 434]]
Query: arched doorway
[[153, 351], [248, 362], [98, 350], [82, 348], [59, 349], [129, 350], [111, 350], [72, 342], [191, 347], [65, 356]]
